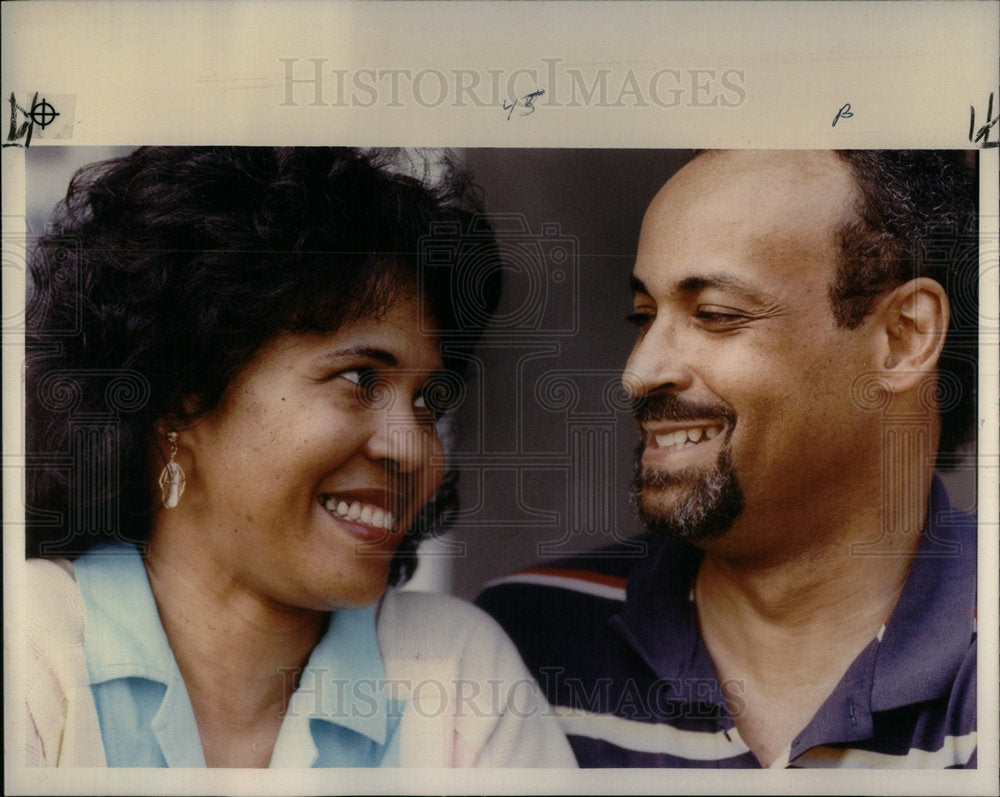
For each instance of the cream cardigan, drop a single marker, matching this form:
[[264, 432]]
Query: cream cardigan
[[470, 700]]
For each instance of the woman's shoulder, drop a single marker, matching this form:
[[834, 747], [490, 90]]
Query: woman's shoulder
[[62, 725], [53, 606], [411, 622], [434, 609], [438, 647], [51, 571]]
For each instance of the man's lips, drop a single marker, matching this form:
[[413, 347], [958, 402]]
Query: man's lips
[[678, 435]]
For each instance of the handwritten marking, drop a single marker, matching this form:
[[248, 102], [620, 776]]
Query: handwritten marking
[[981, 137], [41, 113], [843, 113], [527, 101]]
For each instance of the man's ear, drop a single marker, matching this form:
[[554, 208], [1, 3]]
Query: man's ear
[[913, 322]]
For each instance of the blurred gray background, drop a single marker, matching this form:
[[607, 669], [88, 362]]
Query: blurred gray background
[[544, 440]]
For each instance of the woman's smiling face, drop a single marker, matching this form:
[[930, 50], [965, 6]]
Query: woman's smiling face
[[301, 483]]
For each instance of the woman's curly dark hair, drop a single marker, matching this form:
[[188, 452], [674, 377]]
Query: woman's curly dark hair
[[168, 269], [917, 218]]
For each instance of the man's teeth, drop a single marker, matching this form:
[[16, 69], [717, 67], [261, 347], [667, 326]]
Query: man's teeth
[[367, 514], [682, 438]]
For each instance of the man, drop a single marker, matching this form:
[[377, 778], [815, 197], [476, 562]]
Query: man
[[805, 355]]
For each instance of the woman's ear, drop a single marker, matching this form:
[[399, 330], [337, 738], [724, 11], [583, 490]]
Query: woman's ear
[[913, 322], [179, 423]]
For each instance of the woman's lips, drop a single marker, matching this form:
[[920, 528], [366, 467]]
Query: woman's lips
[[360, 512], [366, 514]]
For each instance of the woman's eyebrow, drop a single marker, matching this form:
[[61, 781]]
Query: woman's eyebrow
[[366, 352]]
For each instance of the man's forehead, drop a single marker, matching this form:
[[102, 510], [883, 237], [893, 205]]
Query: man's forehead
[[810, 164], [780, 180], [728, 210]]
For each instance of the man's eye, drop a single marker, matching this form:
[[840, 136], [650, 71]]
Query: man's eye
[[721, 316], [640, 319]]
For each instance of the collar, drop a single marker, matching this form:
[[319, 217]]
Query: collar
[[124, 636], [343, 683], [660, 622], [932, 625], [918, 652]]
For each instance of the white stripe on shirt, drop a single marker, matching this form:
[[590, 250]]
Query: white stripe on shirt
[[647, 737], [563, 582]]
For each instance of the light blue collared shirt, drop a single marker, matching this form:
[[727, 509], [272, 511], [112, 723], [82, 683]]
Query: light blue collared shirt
[[340, 715]]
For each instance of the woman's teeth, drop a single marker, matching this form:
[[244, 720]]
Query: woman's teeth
[[682, 438], [366, 514]]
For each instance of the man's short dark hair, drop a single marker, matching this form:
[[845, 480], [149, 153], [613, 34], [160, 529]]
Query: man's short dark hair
[[917, 218]]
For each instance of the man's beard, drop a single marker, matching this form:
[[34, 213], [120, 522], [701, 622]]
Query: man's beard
[[709, 499]]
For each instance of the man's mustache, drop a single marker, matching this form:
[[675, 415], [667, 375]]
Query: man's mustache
[[670, 407]]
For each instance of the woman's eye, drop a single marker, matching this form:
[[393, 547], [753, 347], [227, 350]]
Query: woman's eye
[[426, 408], [358, 376], [440, 395], [368, 389], [421, 408]]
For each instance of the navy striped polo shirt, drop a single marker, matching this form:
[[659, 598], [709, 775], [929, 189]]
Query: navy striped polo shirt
[[614, 642]]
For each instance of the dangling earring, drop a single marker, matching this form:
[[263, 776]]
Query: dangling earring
[[172, 477]]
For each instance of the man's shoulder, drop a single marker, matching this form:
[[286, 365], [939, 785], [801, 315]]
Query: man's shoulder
[[559, 612], [594, 577]]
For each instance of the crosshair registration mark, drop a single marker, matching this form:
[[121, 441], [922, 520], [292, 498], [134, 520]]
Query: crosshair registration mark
[[42, 114]]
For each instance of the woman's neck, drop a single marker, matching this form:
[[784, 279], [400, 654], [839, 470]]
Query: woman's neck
[[240, 657]]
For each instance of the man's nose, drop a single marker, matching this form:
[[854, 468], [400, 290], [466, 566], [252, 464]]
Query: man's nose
[[658, 362]]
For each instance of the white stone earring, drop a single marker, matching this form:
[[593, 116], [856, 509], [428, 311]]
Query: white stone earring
[[172, 476]]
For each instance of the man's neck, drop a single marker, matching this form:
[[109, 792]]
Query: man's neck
[[783, 629]]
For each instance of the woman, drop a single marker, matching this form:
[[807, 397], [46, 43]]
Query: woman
[[240, 353]]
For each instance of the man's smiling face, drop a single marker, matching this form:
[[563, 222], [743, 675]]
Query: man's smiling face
[[741, 377]]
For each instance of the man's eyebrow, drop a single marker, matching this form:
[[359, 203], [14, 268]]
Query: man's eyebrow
[[726, 282]]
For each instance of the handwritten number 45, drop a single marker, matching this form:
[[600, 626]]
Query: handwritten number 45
[[528, 101]]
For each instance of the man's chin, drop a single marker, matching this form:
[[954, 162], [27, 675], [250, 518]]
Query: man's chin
[[689, 508]]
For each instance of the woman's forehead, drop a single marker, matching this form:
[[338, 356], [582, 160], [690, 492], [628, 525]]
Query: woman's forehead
[[402, 335]]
